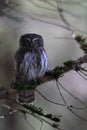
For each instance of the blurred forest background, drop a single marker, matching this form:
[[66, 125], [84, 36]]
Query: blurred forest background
[[57, 21]]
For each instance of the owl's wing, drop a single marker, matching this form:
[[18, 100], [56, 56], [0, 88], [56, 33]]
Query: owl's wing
[[19, 55]]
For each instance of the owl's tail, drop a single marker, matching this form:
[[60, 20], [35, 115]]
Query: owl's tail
[[26, 97]]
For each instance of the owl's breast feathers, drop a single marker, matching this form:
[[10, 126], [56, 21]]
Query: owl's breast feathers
[[31, 64]]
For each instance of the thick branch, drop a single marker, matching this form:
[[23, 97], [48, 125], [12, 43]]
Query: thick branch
[[56, 73]]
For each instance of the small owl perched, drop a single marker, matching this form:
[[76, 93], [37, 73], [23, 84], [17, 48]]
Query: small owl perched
[[31, 63]]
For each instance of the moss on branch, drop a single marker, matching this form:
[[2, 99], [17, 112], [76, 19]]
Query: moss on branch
[[82, 42]]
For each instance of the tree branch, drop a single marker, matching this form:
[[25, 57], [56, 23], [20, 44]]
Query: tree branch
[[56, 73]]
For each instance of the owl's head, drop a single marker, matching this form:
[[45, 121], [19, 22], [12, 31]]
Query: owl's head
[[31, 41]]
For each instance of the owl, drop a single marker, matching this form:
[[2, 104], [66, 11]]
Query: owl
[[31, 63]]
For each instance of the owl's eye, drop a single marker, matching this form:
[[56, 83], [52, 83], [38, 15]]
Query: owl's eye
[[35, 40], [28, 40]]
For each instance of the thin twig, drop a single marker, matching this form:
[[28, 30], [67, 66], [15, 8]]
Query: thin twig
[[51, 4], [61, 93], [30, 124], [78, 108], [37, 117], [59, 104], [83, 69], [41, 125], [76, 114], [69, 108], [72, 95], [32, 114], [38, 19], [85, 74], [42, 7], [81, 75], [60, 11]]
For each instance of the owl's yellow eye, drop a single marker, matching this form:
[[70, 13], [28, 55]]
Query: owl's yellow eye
[[35, 40], [28, 39], [27, 42]]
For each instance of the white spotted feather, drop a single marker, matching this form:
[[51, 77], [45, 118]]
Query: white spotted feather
[[30, 69]]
